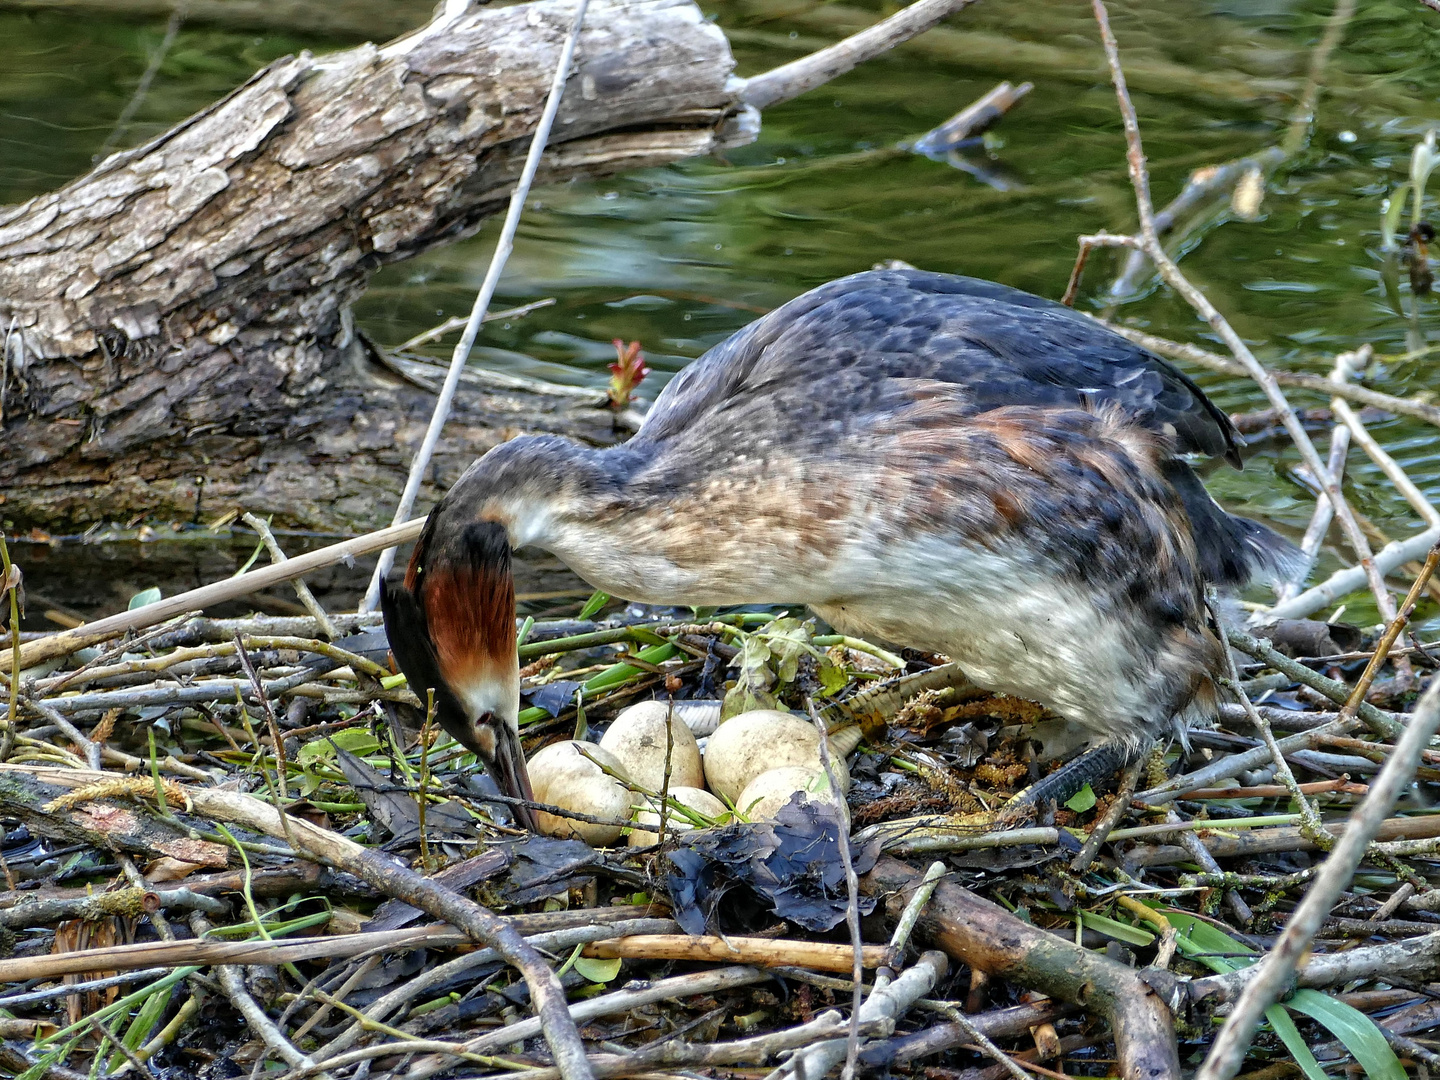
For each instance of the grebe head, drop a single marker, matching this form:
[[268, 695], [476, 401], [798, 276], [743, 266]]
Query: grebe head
[[451, 626]]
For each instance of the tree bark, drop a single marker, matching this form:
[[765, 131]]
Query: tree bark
[[177, 326]]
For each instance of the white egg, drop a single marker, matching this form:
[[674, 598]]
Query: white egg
[[637, 739], [563, 776], [751, 743], [767, 793]]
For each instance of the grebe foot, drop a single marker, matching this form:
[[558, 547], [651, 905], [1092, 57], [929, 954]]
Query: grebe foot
[[1090, 767]]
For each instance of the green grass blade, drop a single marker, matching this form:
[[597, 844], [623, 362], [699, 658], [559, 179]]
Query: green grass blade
[[1131, 935], [1294, 1042], [1357, 1032]]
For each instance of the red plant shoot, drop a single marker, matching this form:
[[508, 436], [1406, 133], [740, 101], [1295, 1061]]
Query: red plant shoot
[[626, 373]]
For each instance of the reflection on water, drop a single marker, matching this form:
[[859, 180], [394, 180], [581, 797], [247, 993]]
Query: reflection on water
[[678, 258]]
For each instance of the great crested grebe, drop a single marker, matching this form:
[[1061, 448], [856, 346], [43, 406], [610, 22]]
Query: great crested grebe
[[924, 460]]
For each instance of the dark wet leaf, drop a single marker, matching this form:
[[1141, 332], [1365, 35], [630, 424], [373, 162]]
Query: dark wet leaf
[[793, 863], [398, 810], [553, 697], [545, 865]]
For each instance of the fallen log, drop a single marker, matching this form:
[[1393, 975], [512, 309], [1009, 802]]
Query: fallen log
[[983, 935], [177, 322], [177, 328]]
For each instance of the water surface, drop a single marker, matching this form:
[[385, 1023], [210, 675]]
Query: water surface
[[678, 258]]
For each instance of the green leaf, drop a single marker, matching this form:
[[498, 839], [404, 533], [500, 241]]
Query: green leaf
[[140, 599], [598, 971], [1201, 941], [752, 689], [1131, 935], [1294, 1042], [145, 1019], [597, 601], [1354, 1029], [832, 678], [788, 640], [1359, 1034], [356, 740], [1082, 800]]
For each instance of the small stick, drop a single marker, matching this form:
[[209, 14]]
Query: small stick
[[972, 120], [665, 780], [910, 916], [1342, 785], [1102, 829], [1392, 631], [91, 750], [887, 1003], [1277, 968], [270, 719], [68, 641], [1309, 816], [233, 982], [765, 952], [1385, 910], [852, 888], [1201, 854], [129, 1055], [10, 584], [301, 589], [458, 358], [979, 1038], [459, 321]]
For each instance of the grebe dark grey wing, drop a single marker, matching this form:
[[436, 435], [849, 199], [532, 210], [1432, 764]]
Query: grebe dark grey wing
[[833, 349]]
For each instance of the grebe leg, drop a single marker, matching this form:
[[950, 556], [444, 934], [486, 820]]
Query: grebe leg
[[1091, 766]]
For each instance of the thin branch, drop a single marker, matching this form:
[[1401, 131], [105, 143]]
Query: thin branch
[[1324, 512], [1102, 829], [1276, 970], [1387, 464], [1311, 824], [793, 79], [142, 89], [302, 591], [852, 890], [260, 1023], [1392, 631], [1318, 383], [503, 247], [1140, 181], [68, 641], [1393, 554]]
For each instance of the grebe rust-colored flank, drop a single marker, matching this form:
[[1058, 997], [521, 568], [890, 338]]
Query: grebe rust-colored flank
[[924, 460]]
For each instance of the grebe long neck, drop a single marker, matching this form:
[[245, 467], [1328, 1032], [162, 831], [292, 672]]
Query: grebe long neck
[[641, 523]]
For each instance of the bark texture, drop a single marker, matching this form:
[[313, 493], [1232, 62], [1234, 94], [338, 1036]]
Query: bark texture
[[177, 322]]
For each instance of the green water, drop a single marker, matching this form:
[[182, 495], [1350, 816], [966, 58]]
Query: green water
[[678, 258]]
